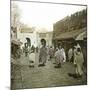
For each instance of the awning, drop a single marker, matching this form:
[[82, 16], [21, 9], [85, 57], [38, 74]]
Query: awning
[[81, 36], [70, 34], [15, 41]]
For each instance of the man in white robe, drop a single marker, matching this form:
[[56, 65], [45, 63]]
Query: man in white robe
[[70, 55], [63, 54], [78, 62]]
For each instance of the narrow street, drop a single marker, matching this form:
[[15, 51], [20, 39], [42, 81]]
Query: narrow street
[[47, 76]]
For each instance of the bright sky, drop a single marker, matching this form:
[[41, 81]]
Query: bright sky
[[43, 15]]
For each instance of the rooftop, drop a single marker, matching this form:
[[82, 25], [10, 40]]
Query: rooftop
[[71, 34]]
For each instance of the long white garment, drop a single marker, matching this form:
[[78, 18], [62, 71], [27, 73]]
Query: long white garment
[[79, 62], [48, 56], [70, 53], [75, 51], [32, 57], [62, 51], [59, 56]]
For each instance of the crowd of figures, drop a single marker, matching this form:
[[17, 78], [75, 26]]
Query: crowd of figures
[[75, 56]]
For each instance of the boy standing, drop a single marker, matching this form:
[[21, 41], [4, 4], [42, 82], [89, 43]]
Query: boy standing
[[43, 53]]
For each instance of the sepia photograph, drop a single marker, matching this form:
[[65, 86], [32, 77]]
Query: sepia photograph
[[48, 44]]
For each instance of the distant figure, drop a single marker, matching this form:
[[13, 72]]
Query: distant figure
[[51, 52], [48, 56], [26, 49], [33, 48], [70, 55], [63, 54], [43, 53], [55, 50]]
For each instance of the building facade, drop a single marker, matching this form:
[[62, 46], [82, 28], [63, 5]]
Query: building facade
[[70, 30]]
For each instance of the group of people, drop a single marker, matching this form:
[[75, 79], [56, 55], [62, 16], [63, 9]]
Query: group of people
[[75, 56], [49, 53]]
